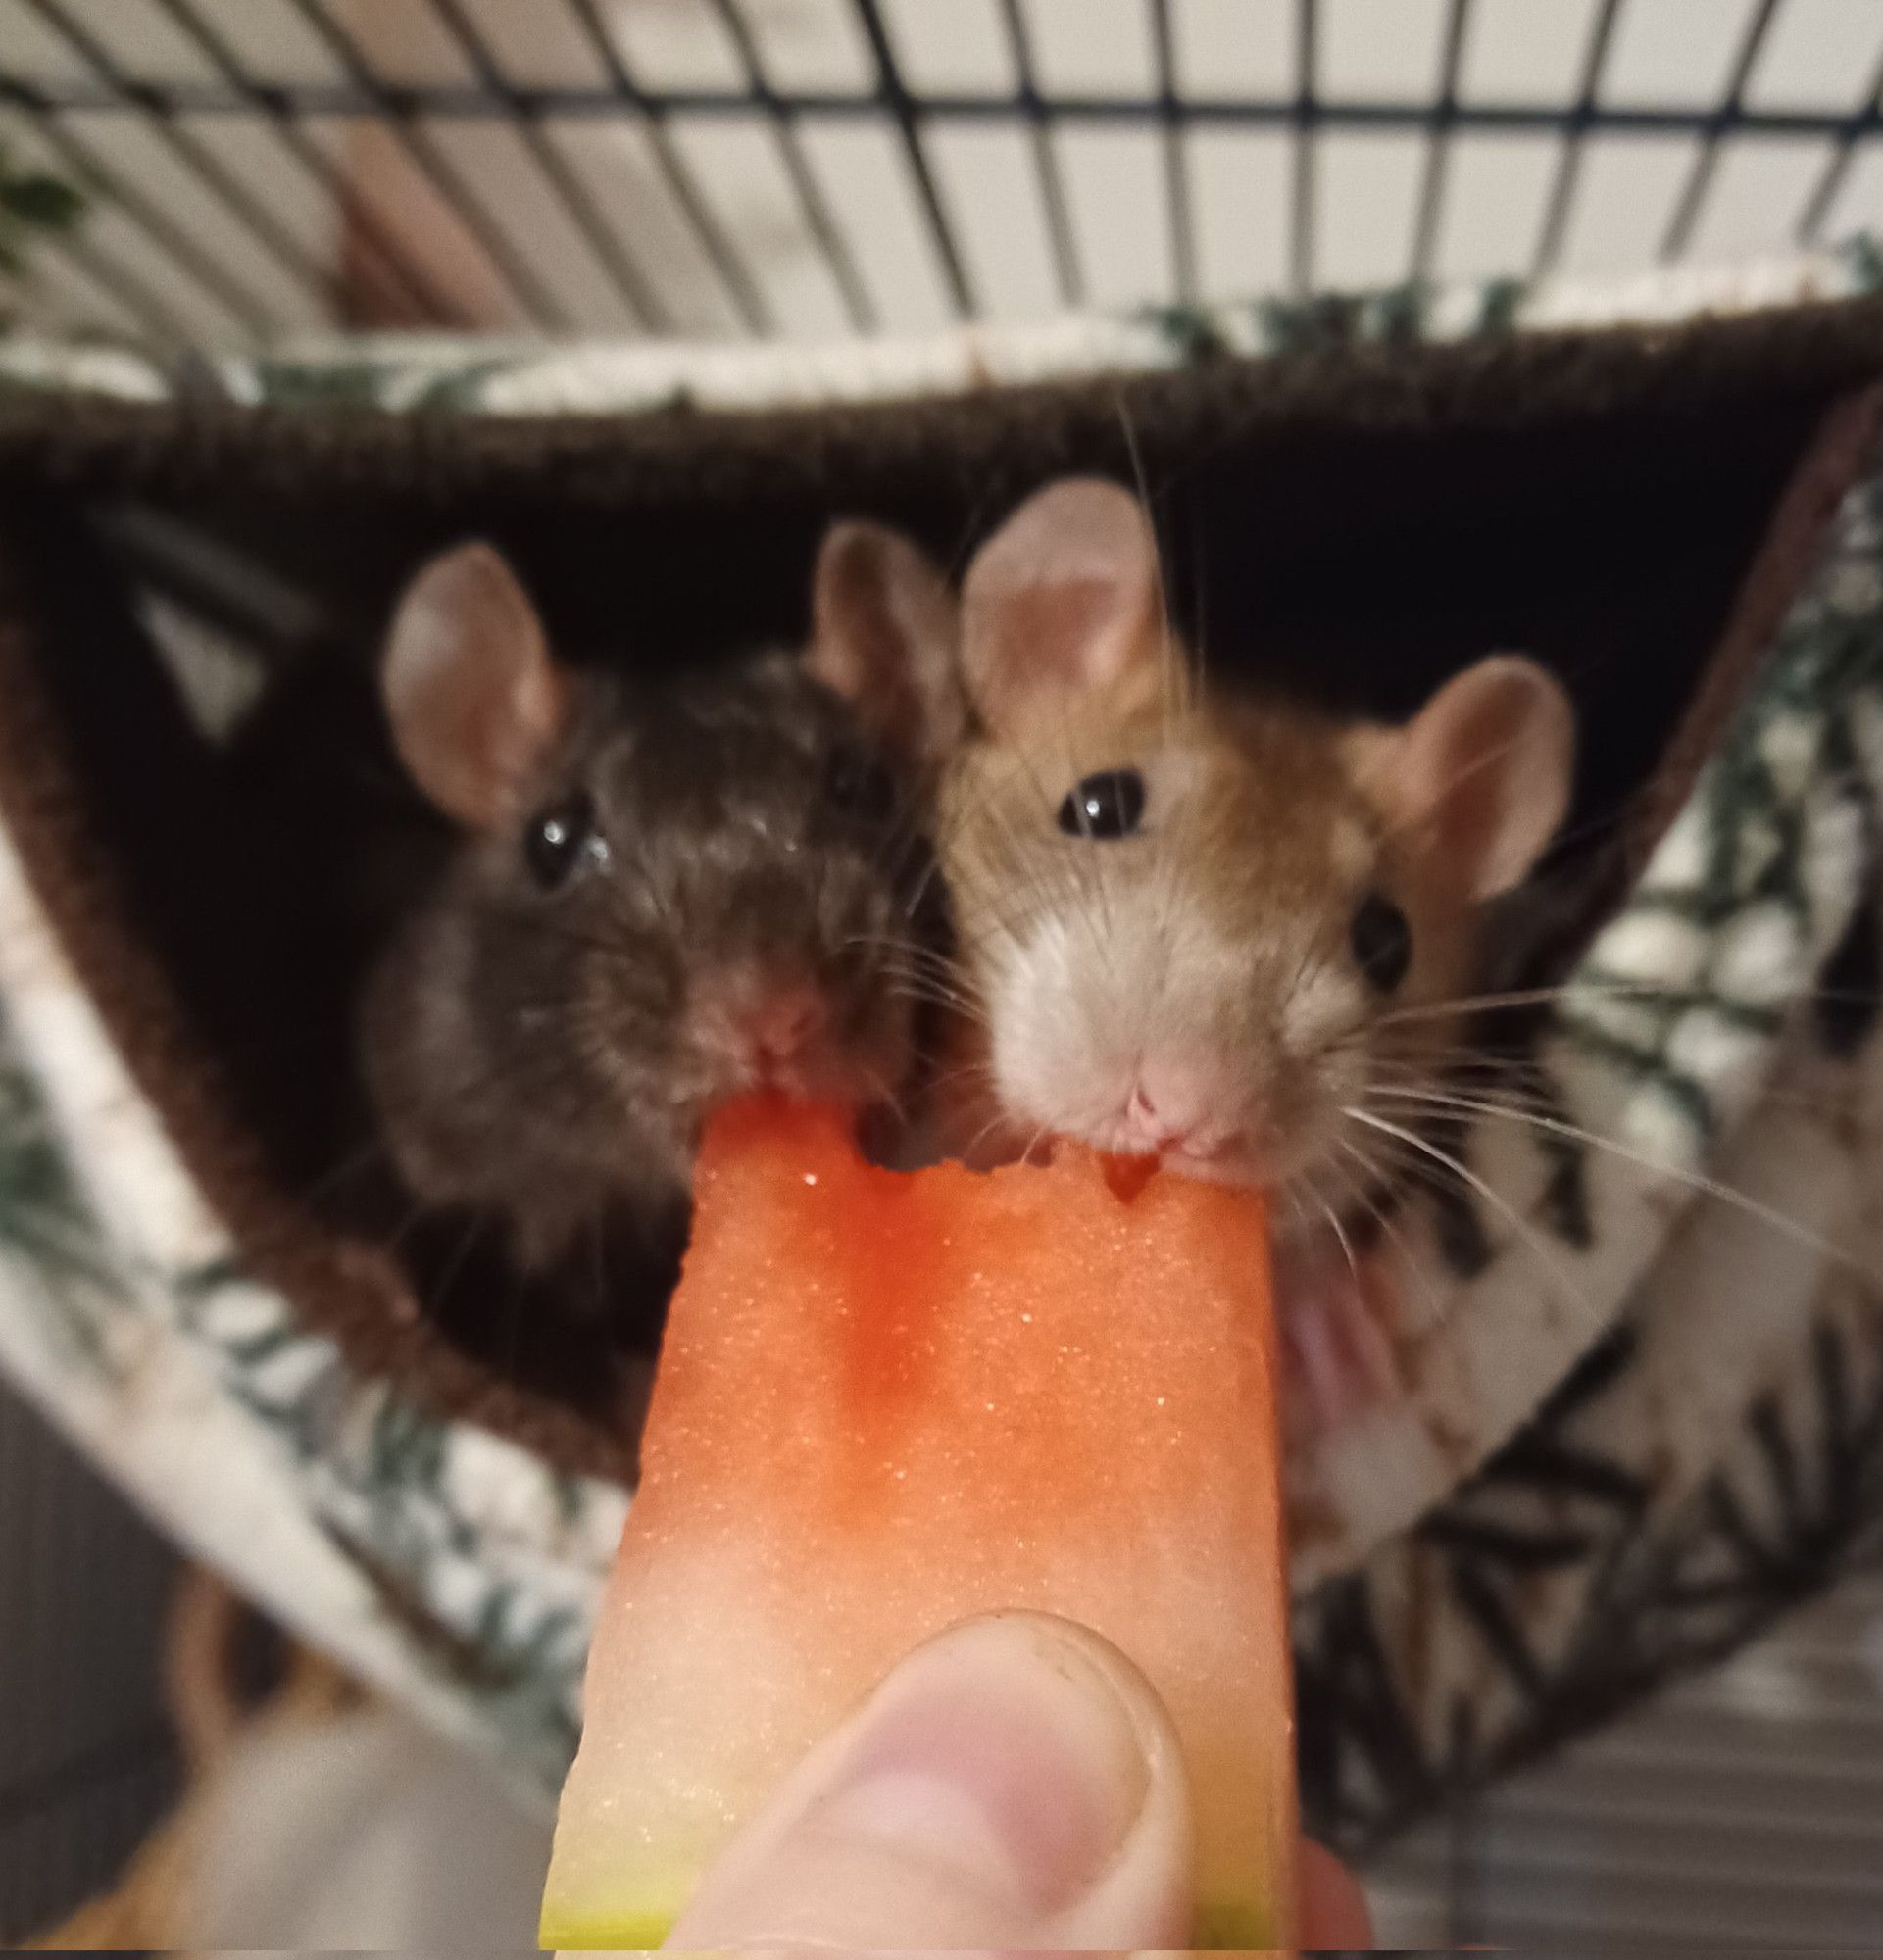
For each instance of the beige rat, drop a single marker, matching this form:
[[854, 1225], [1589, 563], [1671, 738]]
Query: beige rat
[[1206, 927]]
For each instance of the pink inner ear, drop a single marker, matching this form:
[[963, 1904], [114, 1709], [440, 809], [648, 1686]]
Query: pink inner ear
[[1483, 772], [1071, 636], [1058, 645], [1458, 778], [847, 623], [1062, 602], [884, 636], [522, 738], [474, 698], [485, 737]]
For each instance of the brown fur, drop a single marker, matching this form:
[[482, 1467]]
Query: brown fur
[[1210, 953], [1450, 476], [1260, 850], [541, 1048], [532, 1052]]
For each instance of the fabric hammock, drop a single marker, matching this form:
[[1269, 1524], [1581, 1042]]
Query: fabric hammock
[[1642, 1401]]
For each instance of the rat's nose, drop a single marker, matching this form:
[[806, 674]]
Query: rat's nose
[[1170, 1107], [769, 1024], [775, 1031], [1154, 1115]]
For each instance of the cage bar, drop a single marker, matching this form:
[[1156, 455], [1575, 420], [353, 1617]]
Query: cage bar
[[96, 177], [1810, 220], [458, 102], [1046, 163], [1306, 118], [1686, 214], [902, 105], [747, 301], [1431, 195], [1176, 168], [393, 264], [397, 110], [209, 170], [782, 112], [1582, 120], [418, 115], [632, 285]]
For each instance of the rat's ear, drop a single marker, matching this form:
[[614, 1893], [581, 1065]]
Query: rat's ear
[[474, 700], [1063, 600], [885, 633], [1480, 777]]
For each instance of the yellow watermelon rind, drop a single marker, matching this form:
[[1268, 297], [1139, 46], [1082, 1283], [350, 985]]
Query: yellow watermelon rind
[[1224, 1925], [566, 1932]]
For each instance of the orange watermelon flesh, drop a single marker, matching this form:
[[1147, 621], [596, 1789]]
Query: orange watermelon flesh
[[887, 1403]]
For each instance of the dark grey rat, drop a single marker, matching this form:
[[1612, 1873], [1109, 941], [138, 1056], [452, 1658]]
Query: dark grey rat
[[663, 894]]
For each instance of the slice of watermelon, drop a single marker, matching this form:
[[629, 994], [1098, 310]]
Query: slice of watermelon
[[887, 1403]]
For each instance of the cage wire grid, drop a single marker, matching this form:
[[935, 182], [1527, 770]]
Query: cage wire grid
[[1149, 151]]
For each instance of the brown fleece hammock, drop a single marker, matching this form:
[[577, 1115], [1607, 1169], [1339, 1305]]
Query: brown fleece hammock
[[1638, 508], [1353, 526]]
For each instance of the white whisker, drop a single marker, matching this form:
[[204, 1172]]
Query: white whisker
[[1697, 1181], [1409, 1260], [1531, 1237]]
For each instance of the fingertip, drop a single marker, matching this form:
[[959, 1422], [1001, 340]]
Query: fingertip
[[1012, 1783], [1334, 1914]]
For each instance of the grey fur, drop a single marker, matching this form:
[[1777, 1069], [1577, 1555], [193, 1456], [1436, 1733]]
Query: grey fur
[[527, 1051]]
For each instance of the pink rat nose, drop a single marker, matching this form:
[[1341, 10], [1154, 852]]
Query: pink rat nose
[[1170, 1107], [1142, 1114], [771, 1034]]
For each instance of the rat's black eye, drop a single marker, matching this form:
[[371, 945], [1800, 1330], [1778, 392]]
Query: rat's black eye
[[1382, 940], [561, 839], [857, 784], [1106, 806]]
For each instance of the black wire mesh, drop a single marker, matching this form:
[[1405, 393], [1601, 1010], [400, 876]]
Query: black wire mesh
[[170, 261]]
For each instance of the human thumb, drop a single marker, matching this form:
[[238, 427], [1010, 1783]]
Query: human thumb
[[1015, 1782]]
